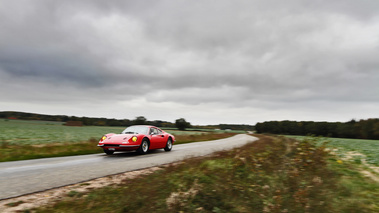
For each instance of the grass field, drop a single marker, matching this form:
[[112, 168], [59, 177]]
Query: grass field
[[22, 140], [342, 146], [45, 132], [273, 174]]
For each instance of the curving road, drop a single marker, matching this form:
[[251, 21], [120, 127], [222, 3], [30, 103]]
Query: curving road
[[23, 177]]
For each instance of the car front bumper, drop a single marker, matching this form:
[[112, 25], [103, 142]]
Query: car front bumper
[[119, 147], [116, 145]]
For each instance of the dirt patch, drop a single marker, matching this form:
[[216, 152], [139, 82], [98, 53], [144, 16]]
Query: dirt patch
[[48, 197], [373, 174], [370, 175], [177, 198]]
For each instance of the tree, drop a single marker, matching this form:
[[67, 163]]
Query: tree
[[182, 124], [140, 120]]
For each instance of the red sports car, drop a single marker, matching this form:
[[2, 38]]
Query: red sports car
[[141, 138]]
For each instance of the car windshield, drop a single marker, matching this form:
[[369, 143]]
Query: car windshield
[[136, 130]]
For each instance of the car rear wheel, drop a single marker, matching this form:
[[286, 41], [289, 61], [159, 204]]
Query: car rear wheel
[[108, 152], [144, 147], [168, 145]]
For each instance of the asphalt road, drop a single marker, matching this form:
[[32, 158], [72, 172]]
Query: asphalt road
[[24, 177]]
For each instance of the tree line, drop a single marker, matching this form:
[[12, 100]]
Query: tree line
[[362, 129], [87, 121], [180, 123], [244, 127]]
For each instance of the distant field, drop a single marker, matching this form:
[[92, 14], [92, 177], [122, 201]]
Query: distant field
[[178, 132], [42, 132], [201, 131], [370, 148], [21, 140], [22, 132]]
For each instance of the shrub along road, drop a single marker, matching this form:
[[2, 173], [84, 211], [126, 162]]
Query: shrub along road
[[24, 177]]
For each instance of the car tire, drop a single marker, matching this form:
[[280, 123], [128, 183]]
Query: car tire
[[108, 152], [168, 145], [144, 147]]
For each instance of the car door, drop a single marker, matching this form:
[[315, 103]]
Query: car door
[[156, 138], [162, 139]]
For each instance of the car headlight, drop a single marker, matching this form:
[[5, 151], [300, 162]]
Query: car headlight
[[103, 138], [134, 138]]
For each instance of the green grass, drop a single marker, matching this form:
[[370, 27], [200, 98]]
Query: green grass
[[274, 174], [370, 148]]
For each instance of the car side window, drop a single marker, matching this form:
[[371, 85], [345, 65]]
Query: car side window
[[159, 132], [153, 131]]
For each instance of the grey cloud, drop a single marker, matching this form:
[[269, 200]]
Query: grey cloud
[[235, 54]]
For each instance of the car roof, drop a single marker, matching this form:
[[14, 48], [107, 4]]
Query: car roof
[[145, 126]]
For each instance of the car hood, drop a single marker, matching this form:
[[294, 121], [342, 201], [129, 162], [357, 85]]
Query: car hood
[[117, 138]]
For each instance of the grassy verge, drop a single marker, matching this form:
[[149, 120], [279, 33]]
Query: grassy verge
[[25, 152], [13, 152], [274, 174]]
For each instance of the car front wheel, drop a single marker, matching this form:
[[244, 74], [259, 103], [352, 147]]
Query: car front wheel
[[144, 147], [168, 145]]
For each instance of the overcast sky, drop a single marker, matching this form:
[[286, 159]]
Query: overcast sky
[[209, 61]]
